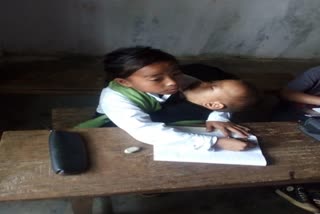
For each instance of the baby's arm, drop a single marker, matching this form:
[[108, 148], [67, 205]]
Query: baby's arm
[[127, 116]]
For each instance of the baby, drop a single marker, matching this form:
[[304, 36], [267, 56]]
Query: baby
[[222, 95], [201, 98]]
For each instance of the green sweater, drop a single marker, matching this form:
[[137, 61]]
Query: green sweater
[[144, 101]]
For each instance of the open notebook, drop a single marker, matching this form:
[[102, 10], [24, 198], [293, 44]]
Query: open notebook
[[178, 153], [316, 109], [312, 112]]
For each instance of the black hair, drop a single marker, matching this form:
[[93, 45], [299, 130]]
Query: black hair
[[248, 100], [123, 62]]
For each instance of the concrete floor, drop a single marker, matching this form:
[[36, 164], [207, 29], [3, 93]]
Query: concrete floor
[[33, 112], [236, 201]]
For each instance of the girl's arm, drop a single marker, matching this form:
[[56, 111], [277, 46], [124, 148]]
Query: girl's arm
[[127, 116], [138, 124], [234, 144], [305, 88], [300, 97], [221, 121]]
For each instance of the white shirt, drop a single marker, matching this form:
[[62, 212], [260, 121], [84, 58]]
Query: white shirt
[[137, 123]]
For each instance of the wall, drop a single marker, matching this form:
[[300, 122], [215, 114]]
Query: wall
[[258, 28]]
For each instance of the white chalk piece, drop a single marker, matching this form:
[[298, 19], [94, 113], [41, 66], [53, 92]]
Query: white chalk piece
[[132, 149]]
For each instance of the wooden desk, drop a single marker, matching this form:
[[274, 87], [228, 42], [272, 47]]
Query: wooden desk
[[25, 171]]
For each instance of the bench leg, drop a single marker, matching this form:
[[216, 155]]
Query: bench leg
[[82, 205], [85, 205], [107, 205]]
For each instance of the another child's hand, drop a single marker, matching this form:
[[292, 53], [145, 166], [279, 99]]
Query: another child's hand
[[234, 144], [227, 127]]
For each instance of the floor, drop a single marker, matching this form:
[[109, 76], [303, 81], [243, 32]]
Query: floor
[[236, 201], [20, 112]]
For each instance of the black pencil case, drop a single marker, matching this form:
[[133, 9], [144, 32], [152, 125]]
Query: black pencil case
[[68, 152]]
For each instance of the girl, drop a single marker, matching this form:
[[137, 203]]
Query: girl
[[142, 79]]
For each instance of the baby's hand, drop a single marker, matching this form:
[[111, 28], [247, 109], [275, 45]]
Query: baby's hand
[[227, 127], [234, 144]]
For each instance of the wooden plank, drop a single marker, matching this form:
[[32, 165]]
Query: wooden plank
[[52, 77], [84, 84], [25, 171], [254, 65], [69, 117], [86, 76], [267, 82]]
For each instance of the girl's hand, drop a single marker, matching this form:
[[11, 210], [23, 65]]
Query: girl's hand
[[233, 144], [227, 127]]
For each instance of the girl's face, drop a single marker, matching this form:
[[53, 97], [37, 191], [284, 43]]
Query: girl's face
[[158, 78]]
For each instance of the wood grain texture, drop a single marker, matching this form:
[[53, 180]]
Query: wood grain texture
[[86, 76], [52, 77], [69, 117], [25, 171]]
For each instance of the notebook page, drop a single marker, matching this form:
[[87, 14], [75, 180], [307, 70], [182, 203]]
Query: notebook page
[[177, 153]]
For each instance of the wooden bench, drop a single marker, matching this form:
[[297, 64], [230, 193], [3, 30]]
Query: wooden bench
[[86, 76], [66, 77], [62, 118], [25, 171]]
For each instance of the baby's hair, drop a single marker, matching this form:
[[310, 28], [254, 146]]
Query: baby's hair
[[248, 99], [123, 62]]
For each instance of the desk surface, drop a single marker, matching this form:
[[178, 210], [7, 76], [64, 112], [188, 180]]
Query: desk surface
[[25, 171]]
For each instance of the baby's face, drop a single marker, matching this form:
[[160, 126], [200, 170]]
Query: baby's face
[[211, 91], [224, 91]]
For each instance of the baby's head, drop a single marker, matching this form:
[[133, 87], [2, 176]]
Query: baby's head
[[223, 95], [143, 68]]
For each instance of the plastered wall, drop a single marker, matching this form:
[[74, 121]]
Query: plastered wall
[[254, 28]]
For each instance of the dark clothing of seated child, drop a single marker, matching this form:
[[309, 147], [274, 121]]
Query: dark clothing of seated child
[[300, 96]]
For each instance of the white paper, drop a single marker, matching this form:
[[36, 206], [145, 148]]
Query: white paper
[[316, 109], [178, 153]]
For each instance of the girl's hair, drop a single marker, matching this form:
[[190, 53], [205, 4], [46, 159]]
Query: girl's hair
[[123, 62]]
